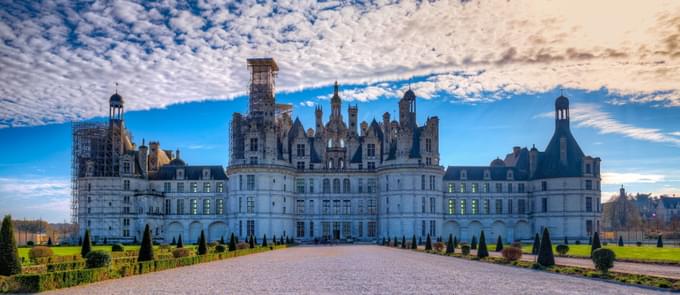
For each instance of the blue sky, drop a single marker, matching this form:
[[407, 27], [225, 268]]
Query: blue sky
[[490, 70]]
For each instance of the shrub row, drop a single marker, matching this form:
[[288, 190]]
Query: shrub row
[[57, 259], [29, 283]]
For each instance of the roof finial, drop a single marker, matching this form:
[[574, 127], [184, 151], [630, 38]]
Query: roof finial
[[335, 89], [409, 83], [142, 141], [116, 87], [561, 91], [177, 156]]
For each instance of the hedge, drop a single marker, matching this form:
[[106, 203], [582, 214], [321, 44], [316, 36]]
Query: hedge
[[30, 283]]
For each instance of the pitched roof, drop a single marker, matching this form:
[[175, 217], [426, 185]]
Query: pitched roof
[[477, 173], [168, 172]]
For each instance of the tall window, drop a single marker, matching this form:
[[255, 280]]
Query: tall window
[[510, 206], [180, 207], [311, 185], [360, 229], [433, 182], [520, 187], [300, 206], [250, 227], [463, 188], [126, 167], [194, 187], [486, 207], [300, 232], [422, 205], [475, 187], [326, 207], [372, 207], [166, 187], [509, 187], [544, 204], [336, 186], [451, 188], [336, 207], [168, 205], [422, 228], [371, 229], [326, 186], [433, 228], [126, 185], [499, 187], [370, 149], [361, 185], [220, 207], [589, 204], [253, 144], [486, 187], [433, 204], [346, 207], [475, 207], [250, 182], [589, 184], [300, 150], [452, 206], [521, 206], [345, 186], [422, 182], [544, 185], [462, 207], [428, 145], [250, 205], [300, 185], [206, 187], [206, 206], [371, 185], [220, 187], [499, 206], [193, 203]]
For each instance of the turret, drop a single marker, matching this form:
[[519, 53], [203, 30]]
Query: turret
[[353, 112], [533, 160], [335, 102], [407, 110], [318, 113], [143, 158], [562, 113], [386, 125], [262, 82]]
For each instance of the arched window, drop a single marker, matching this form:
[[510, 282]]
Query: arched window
[[345, 186], [330, 163], [330, 142], [341, 164], [336, 186], [326, 185], [342, 143]]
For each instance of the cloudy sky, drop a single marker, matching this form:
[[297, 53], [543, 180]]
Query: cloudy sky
[[490, 70]]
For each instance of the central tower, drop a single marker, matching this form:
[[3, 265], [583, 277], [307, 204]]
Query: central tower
[[262, 81]]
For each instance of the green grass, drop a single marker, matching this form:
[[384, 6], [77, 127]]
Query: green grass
[[630, 252], [75, 250]]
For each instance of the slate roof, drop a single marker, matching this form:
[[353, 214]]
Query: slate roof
[[477, 173], [670, 203], [549, 164], [169, 172]]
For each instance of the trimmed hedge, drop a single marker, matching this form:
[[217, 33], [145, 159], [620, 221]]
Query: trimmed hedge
[[30, 283]]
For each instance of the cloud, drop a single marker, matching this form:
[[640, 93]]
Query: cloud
[[60, 59], [364, 94], [35, 188], [36, 197], [627, 178], [591, 116]]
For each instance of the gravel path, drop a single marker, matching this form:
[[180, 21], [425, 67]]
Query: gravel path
[[351, 270], [659, 270]]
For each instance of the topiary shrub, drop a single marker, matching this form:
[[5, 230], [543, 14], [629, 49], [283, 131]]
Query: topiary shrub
[[202, 245], [414, 244], [87, 244], [39, 252], [220, 248], [578, 242], [232, 242], [638, 243], [562, 249], [428, 243], [595, 242], [473, 243], [30, 243], [117, 248], [482, 251], [659, 242], [181, 252], [10, 263], [438, 246], [97, 258], [449, 245], [242, 246], [535, 245], [180, 244], [511, 253], [620, 241], [146, 250], [499, 244], [465, 249], [603, 259], [545, 253]]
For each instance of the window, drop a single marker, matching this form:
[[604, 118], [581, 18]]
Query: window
[[462, 207], [432, 205], [422, 182], [311, 228], [589, 204], [371, 165], [336, 186], [361, 185], [166, 187], [486, 207], [300, 165], [422, 204], [193, 203], [206, 187], [452, 206], [521, 206], [499, 187], [589, 227], [372, 207], [451, 188], [428, 145], [589, 184], [475, 187], [588, 170], [126, 167], [300, 185], [194, 187], [499, 206], [180, 207], [346, 229], [486, 187], [509, 206], [326, 186], [250, 182], [250, 227], [520, 187], [370, 150], [433, 182], [463, 187], [510, 187], [336, 207], [346, 207], [253, 160], [428, 161], [126, 185], [326, 207], [180, 187], [345, 186], [544, 185], [300, 150], [371, 185], [371, 229], [168, 205], [475, 207], [544, 204], [253, 144], [300, 206], [300, 232], [206, 206], [422, 228], [220, 207], [220, 187], [240, 182], [360, 229], [250, 205], [433, 228]]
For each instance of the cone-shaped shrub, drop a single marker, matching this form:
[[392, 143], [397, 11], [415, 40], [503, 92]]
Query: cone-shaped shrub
[[179, 242], [232, 243], [281, 241], [428, 243], [105, 241], [251, 243], [620, 241], [595, 242], [10, 263], [499, 244], [449, 245], [414, 245], [473, 244], [566, 242], [396, 241], [87, 244], [264, 241], [389, 241], [455, 242], [222, 240], [49, 241], [403, 242], [536, 245], [80, 241], [384, 242], [659, 242], [590, 240], [545, 253], [146, 250], [420, 240], [174, 242], [202, 244], [482, 252]]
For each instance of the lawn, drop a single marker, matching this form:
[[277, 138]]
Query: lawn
[[627, 252], [75, 250]]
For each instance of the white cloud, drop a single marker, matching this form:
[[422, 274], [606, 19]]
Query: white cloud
[[627, 178], [475, 50], [364, 94], [676, 133], [35, 188]]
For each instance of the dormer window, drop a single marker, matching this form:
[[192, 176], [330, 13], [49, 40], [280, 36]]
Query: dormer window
[[206, 173], [180, 174], [126, 167], [487, 174], [463, 174], [589, 169], [510, 175]]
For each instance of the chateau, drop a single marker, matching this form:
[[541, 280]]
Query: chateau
[[340, 180]]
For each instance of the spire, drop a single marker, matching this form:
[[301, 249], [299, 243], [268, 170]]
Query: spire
[[116, 87], [177, 154], [335, 88]]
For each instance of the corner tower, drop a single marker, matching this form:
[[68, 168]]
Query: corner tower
[[262, 82]]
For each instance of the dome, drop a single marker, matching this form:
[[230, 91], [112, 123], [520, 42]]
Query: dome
[[177, 162], [562, 102], [409, 94], [116, 98], [497, 163]]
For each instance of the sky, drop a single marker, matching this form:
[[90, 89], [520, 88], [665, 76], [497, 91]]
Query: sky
[[489, 69]]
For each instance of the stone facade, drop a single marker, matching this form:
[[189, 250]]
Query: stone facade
[[348, 180]]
